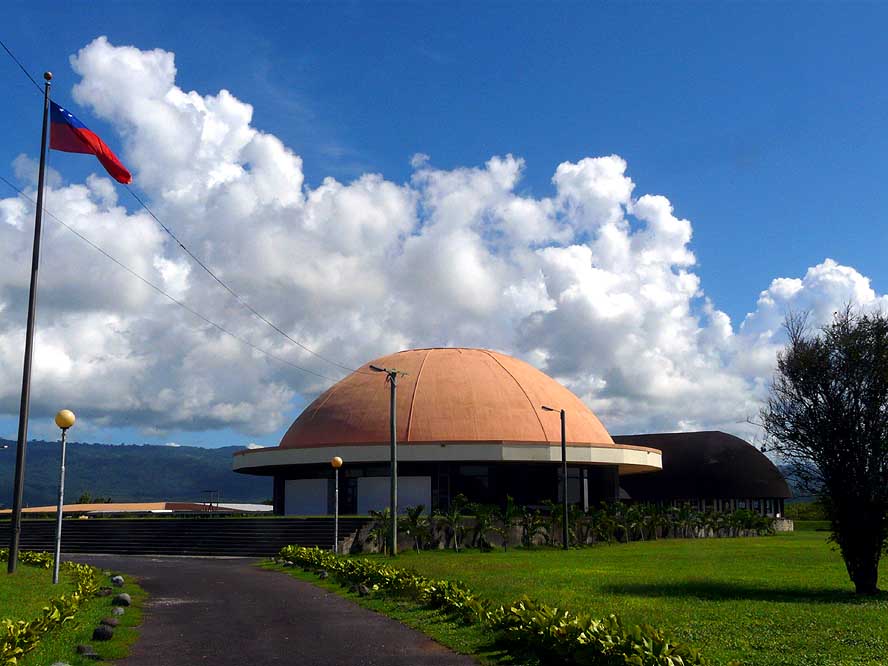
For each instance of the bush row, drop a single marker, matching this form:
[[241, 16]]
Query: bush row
[[18, 637], [529, 629], [482, 525], [43, 560]]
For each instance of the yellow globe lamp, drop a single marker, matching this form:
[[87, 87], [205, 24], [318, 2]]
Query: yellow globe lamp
[[336, 462], [65, 419]]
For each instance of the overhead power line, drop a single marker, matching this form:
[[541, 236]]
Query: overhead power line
[[22, 67], [240, 300], [159, 290], [231, 291]]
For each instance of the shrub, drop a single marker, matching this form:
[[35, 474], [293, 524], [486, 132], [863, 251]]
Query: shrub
[[18, 637]]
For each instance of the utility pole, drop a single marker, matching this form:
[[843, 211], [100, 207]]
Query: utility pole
[[565, 532], [392, 379]]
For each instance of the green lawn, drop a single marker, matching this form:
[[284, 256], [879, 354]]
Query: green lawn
[[59, 644], [769, 601], [24, 593]]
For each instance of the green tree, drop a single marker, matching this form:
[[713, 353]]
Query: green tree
[[827, 417]]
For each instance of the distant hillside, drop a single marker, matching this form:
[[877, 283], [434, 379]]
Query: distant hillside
[[129, 473]]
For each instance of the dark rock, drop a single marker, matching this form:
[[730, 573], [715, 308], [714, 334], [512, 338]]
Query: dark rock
[[85, 649], [363, 590], [323, 574], [104, 592], [118, 581], [103, 633], [122, 599], [110, 621], [117, 610]]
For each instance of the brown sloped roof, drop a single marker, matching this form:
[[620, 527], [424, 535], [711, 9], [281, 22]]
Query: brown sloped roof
[[447, 395], [704, 465]]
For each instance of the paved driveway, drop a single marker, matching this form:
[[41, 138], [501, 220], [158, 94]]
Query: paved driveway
[[225, 612]]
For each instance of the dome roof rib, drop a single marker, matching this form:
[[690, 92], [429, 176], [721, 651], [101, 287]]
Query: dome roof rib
[[415, 389], [535, 408]]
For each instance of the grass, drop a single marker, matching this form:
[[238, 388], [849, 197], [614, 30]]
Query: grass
[[24, 594], [772, 601]]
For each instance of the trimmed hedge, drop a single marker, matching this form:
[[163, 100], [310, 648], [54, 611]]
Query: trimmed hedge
[[528, 628], [18, 637]]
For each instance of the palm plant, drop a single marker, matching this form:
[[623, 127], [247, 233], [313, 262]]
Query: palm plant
[[381, 528], [634, 522], [416, 524], [710, 523], [484, 514], [508, 516], [605, 524], [452, 520], [659, 521], [553, 526], [619, 517], [532, 523]]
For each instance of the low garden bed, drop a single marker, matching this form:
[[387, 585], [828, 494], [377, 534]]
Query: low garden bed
[[42, 623]]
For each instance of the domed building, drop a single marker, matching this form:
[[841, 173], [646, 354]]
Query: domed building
[[469, 421]]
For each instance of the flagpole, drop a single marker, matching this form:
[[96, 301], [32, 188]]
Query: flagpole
[[29, 348]]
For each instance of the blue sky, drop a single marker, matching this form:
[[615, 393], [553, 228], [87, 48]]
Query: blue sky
[[762, 123]]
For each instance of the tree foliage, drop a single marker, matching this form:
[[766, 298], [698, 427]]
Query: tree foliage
[[827, 417]]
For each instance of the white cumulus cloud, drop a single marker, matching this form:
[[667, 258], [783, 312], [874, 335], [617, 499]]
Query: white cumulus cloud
[[594, 283]]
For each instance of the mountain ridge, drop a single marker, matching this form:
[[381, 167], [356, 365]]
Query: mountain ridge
[[129, 473]]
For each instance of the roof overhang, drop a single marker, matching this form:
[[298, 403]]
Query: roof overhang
[[630, 459]]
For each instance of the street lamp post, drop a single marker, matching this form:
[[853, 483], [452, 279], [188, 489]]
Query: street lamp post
[[392, 379], [565, 536], [336, 463], [64, 420]]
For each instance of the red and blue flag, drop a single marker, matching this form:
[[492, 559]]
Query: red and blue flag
[[69, 135]]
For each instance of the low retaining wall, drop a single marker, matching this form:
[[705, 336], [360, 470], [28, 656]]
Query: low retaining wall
[[261, 537]]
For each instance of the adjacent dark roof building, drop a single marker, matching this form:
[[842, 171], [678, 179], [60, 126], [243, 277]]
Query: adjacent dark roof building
[[710, 469]]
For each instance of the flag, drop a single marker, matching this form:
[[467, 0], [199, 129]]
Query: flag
[[68, 134]]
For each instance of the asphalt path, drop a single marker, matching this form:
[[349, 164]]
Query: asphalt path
[[228, 612]]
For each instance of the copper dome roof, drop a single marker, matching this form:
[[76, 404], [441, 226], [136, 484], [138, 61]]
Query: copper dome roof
[[447, 395]]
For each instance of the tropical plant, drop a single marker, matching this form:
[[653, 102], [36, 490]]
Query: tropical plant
[[553, 523], [532, 524], [484, 524], [507, 517], [452, 521], [415, 523], [381, 529]]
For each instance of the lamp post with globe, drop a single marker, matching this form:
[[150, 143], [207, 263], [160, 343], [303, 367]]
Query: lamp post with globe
[[64, 420], [336, 463]]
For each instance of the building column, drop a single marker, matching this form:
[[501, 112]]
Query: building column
[[277, 495]]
